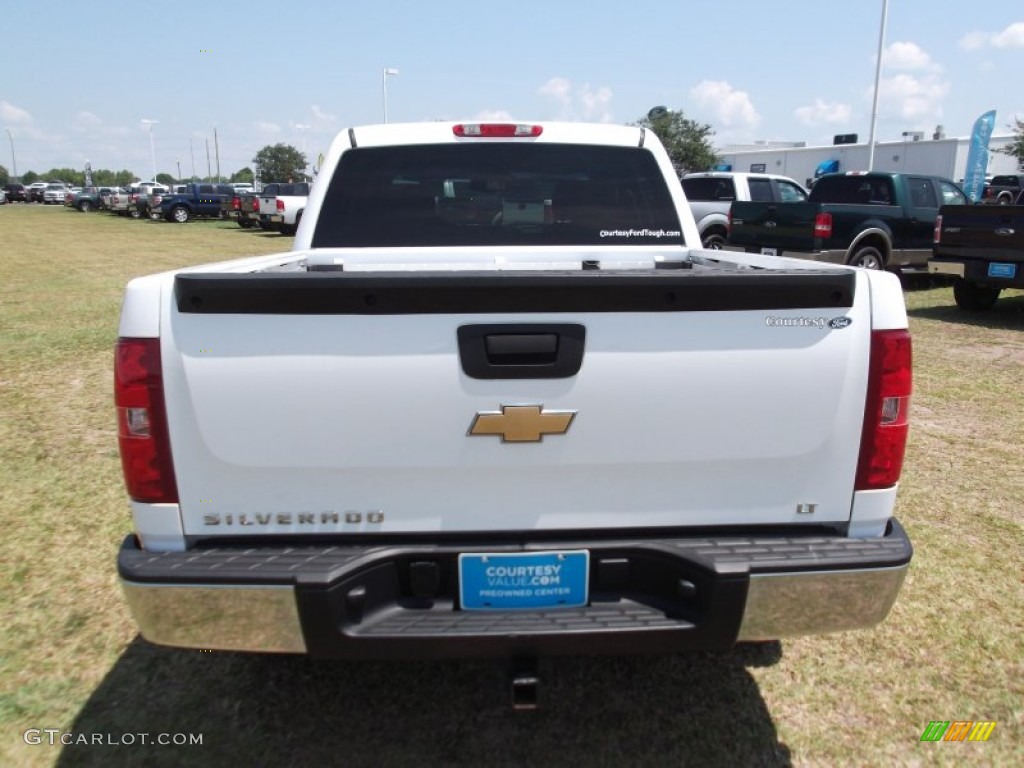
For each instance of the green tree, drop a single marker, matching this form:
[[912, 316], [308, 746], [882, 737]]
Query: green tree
[[1016, 146], [67, 175], [4, 176], [244, 176], [280, 162], [687, 142], [29, 177], [164, 178]]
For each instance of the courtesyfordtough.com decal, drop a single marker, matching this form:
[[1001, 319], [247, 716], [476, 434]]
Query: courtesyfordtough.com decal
[[655, 233]]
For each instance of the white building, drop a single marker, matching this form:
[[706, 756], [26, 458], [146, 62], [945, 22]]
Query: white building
[[914, 154]]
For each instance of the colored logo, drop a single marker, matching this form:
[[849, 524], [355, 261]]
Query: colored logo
[[522, 423], [958, 730]]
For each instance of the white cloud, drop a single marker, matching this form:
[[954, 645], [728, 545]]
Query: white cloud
[[823, 113], [85, 121], [908, 56], [13, 115], [264, 127], [492, 115], [726, 105], [596, 103], [322, 122], [579, 102], [912, 98], [557, 88], [972, 41], [1011, 37]]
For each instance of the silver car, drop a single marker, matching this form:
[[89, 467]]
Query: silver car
[[54, 193]]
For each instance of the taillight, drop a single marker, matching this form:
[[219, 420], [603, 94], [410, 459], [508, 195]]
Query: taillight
[[497, 130], [884, 438], [236, 203], [256, 205], [142, 422], [937, 232], [823, 225], [280, 204]]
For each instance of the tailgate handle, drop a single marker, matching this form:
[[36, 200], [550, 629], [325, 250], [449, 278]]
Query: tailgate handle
[[521, 350]]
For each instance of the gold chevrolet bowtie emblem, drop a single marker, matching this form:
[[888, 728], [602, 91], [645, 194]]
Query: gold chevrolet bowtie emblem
[[522, 423]]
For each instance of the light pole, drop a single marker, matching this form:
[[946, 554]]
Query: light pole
[[152, 151], [387, 71], [14, 163], [302, 130], [878, 74], [179, 169]]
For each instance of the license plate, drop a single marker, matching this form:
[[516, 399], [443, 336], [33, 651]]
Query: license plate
[[770, 251], [997, 269], [524, 580]]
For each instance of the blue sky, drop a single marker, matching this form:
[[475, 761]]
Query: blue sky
[[77, 78]]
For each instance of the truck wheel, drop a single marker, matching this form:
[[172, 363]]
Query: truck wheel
[[85, 206], [1005, 198], [974, 297], [265, 226], [868, 257], [246, 224], [713, 240], [179, 214], [135, 213]]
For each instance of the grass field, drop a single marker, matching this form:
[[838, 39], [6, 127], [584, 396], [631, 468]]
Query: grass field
[[70, 658]]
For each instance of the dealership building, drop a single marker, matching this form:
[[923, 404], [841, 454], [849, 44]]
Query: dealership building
[[914, 153]]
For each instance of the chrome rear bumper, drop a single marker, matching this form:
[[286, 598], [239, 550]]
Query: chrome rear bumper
[[647, 595]]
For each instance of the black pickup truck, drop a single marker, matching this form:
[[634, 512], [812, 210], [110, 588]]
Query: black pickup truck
[[983, 247], [876, 220], [194, 201], [1003, 190]]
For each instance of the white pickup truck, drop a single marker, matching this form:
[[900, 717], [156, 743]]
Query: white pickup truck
[[711, 195], [282, 205], [497, 401]]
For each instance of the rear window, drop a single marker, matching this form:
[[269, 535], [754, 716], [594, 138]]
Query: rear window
[[496, 194], [707, 189], [293, 190], [853, 190], [1005, 181]]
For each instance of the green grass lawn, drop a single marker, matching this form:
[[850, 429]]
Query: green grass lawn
[[70, 659]]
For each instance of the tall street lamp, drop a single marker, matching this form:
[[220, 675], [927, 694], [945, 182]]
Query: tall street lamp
[[14, 162], [387, 71], [302, 130], [152, 151], [878, 74]]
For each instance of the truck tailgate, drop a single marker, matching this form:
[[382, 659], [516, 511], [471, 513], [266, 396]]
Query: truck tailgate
[[982, 232], [779, 226], [341, 402]]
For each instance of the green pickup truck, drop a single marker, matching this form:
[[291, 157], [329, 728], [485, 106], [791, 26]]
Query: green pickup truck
[[876, 220]]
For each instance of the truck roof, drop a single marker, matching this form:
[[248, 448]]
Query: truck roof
[[433, 133]]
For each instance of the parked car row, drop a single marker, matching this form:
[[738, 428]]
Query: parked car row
[[278, 207]]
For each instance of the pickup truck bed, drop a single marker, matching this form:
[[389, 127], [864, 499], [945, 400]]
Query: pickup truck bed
[[497, 401]]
